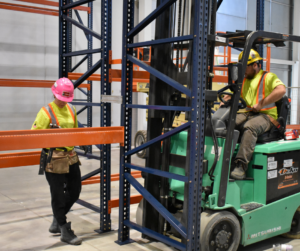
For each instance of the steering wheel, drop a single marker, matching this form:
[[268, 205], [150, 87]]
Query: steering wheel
[[242, 104]]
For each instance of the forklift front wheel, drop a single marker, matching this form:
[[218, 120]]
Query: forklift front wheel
[[140, 139], [220, 230]]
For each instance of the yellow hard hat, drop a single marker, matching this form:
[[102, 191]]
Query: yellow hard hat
[[253, 57]]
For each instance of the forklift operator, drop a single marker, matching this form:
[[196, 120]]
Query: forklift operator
[[260, 91]]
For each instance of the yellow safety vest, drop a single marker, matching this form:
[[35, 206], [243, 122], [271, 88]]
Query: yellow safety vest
[[258, 88], [64, 117]]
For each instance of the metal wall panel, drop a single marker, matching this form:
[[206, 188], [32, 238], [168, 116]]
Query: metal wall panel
[[232, 15]]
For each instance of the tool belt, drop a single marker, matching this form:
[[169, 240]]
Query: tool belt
[[276, 123], [54, 161]]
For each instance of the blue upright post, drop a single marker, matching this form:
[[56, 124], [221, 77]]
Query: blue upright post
[[260, 21], [126, 90], [89, 65], [196, 133], [105, 150], [63, 33]]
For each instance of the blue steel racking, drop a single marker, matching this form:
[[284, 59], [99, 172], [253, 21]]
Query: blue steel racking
[[260, 24], [195, 125], [65, 54]]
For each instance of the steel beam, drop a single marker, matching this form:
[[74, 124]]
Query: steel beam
[[260, 24], [126, 115], [160, 75], [159, 138], [86, 75], [84, 28], [161, 107], [158, 172], [83, 52], [105, 114], [150, 18], [161, 41], [32, 139], [75, 4]]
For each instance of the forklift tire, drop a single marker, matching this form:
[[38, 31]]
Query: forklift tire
[[139, 139], [139, 213], [220, 230], [295, 227]]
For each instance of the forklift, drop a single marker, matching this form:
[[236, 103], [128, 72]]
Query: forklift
[[233, 212]]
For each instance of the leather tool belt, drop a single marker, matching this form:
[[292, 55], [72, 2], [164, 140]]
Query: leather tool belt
[[61, 161]]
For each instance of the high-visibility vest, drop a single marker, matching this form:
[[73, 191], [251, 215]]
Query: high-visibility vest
[[51, 114], [260, 94]]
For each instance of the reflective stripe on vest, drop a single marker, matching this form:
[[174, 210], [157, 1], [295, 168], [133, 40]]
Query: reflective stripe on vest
[[72, 111], [51, 114], [261, 93]]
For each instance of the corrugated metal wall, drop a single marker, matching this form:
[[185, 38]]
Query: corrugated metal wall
[[241, 15]]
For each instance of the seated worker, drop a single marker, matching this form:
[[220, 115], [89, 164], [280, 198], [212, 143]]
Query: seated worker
[[260, 91]]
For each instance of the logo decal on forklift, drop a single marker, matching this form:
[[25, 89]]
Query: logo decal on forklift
[[288, 177], [262, 233], [285, 171]]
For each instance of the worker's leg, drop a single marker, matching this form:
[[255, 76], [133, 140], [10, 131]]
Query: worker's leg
[[240, 120], [56, 183], [73, 186], [73, 189], [254, 127]]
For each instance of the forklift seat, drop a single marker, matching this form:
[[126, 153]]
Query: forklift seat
[[283, 108]]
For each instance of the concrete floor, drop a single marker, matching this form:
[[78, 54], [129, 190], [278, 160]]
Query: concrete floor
[[25, 215]]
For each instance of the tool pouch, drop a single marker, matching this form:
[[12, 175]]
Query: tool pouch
[[61, 162], [43, 161]]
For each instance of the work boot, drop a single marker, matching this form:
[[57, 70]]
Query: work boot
[[239, 172], [54, 228], [68, 236]]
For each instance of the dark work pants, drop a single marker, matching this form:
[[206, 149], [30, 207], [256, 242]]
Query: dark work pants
[[251, 125], [62, 199]]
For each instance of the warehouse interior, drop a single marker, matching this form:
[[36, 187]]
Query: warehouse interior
[[136, 68]]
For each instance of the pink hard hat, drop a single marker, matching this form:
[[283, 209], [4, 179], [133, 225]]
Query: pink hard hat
[[63, 89]]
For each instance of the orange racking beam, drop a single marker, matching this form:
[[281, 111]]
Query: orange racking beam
[[32, 139], [55, 4], [114, 177], [19, 159], [134, 199], [32, 83], [115, 75], [26, 8], [75, 76]]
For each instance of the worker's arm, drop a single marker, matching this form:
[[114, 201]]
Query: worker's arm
[[275, 95]]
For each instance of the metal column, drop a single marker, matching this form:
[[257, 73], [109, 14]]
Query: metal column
[[196, 94], [105, 150], [65, 57], [89, 65], [260, 21]]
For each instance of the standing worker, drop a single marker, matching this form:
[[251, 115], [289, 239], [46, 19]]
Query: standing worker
[[260, 91], [61, 164]]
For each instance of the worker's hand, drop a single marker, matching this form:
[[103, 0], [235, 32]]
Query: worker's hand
[[257, 107]]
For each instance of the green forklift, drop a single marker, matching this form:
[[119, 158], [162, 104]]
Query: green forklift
[[267, 202], [239, 212]]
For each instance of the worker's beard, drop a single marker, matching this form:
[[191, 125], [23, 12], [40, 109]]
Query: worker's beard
[[250, 76]]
